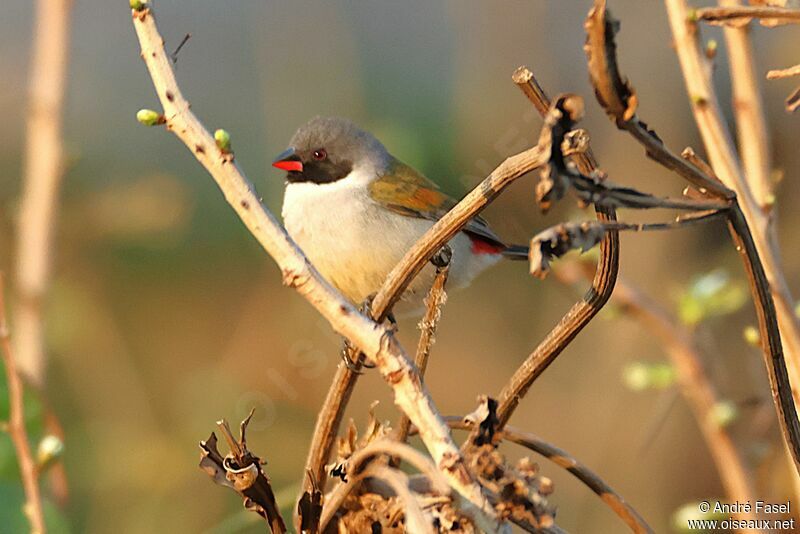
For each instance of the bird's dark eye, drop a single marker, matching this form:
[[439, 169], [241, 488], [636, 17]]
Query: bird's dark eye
[[320, 154]]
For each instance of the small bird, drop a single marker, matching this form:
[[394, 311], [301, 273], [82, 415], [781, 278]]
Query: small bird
[[355, 210]]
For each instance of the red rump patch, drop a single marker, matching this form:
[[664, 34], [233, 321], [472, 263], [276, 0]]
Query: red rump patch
[[481, 246]]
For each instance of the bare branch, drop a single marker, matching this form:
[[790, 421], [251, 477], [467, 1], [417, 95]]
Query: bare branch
[[778, 74], [377, 342], [433, 305], [738, 15], [582, 311], [556, 241], [619, 99], [748, 107], [16, 425], [43, 170]]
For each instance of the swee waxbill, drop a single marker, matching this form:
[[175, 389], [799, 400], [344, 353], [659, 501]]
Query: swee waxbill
[[355, 210]]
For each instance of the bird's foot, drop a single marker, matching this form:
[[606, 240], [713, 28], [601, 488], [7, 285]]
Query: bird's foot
[[356, 365], [442, 258]]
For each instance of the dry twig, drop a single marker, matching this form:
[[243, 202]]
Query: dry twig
[[751, 122], [377, 342], [16, 426], [566, 461], [43, 170], [433, 311], [355, 473], [778, 74], [738, 15], [593, 301]]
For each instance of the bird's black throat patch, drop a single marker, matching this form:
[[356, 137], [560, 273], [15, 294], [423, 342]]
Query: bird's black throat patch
[[320, 172]]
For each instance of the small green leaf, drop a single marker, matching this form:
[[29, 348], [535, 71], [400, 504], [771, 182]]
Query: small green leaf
[[711, 295], [223, 139], [148, 117], [138, 5]]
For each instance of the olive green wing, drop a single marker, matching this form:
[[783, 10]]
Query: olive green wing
[[404, 190]]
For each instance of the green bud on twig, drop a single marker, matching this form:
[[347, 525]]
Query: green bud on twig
[[50, 449], [223, 139], [724, 413], [138, 5], [148, 117], [691, 16], [711, 48]]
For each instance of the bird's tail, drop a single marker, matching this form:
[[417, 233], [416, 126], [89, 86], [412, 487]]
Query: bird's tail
[[516, 252]]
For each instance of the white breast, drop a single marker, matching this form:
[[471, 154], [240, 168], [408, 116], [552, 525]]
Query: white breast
[[354, 242]]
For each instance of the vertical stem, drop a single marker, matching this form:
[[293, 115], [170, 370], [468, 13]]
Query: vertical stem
[[42, 177], [433, 306], [16, 426], [748, 107], [722, 156]]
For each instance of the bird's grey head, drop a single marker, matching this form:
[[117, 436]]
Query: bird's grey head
[[326, 149]]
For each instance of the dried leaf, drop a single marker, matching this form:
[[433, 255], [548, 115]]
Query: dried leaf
[[485, 418], [309, 508], [556, 241], [519, 495], [613, 91], [554, 178], [241, 471]]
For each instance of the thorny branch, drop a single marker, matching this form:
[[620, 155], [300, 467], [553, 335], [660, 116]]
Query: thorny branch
[[16, 425], [377, 342]]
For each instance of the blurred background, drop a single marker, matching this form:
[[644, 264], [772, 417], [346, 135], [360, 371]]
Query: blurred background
[[165, 315]]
